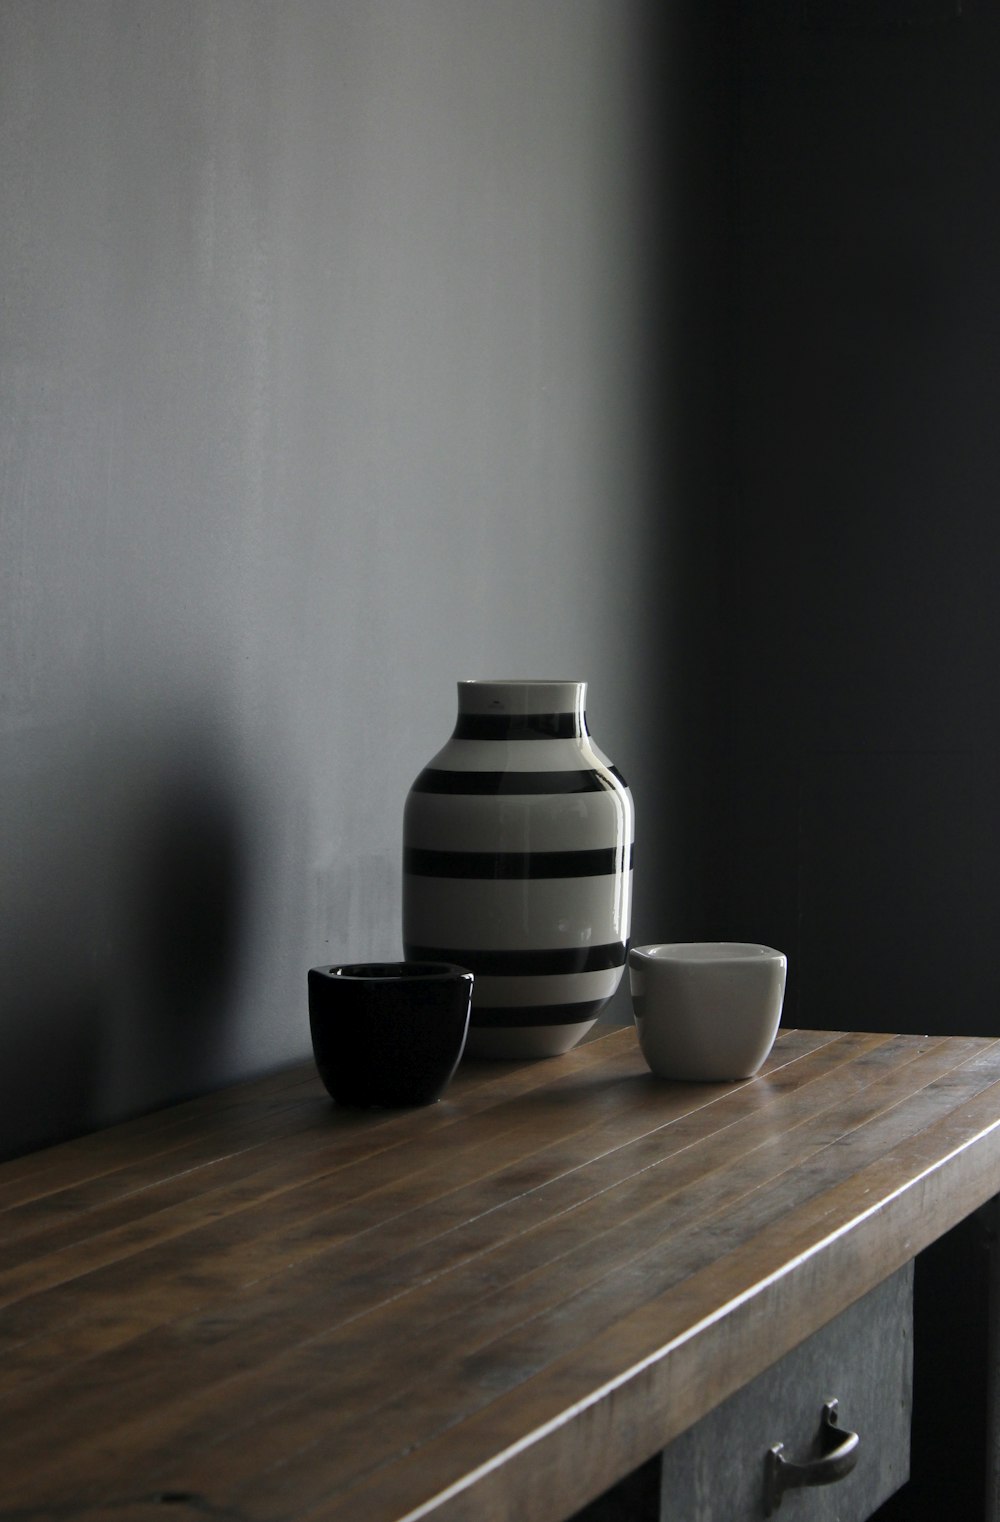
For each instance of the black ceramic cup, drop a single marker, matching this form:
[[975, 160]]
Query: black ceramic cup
[[388, 1033]]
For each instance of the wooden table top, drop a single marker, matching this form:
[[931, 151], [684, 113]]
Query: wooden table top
[[255, 1306]]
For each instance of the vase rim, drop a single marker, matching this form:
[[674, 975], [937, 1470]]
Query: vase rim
[[512, 695]]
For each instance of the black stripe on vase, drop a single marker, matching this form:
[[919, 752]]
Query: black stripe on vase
[[439, 780], [525, 964], [497, 866], [535, 1014], [519, 726]]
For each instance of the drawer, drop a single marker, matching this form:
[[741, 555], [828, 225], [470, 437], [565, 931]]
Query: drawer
[[863, 1360]]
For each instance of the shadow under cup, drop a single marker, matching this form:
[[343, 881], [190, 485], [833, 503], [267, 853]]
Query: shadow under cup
[[388, 1034]]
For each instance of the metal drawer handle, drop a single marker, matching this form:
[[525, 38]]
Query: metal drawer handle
[[838, 1457]]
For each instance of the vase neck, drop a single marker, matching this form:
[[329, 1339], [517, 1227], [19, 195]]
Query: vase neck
[[506, 708]]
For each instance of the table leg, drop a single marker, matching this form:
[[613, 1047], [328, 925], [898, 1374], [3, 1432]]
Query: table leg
[[990, 1218]]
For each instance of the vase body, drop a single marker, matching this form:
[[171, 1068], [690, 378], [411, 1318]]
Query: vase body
[[517, 863]]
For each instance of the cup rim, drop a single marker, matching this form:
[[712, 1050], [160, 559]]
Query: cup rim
[[389, 973], [703, 953]]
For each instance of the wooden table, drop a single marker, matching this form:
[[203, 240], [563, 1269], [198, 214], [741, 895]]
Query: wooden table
[[254, 1306]]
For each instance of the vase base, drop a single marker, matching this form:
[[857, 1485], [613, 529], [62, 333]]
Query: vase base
[[515, 1043]]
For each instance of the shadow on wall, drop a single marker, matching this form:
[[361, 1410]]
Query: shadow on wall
[[124, 913]]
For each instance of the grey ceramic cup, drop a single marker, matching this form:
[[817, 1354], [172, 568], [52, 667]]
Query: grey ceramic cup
[[706, 1010]]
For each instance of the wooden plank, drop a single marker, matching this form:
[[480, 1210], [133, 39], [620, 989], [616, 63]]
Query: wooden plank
[[114, 1320], [417, 1302], [313, 1117], [156, 1136], [309, 1198], [116, 1375], [422, 1396], [565, 1452], [36, 1174], [547, 1338], [150, 1141], [305, 1179]]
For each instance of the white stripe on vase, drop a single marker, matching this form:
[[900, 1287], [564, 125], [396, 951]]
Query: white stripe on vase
[[576, 821], [530, 913], [571, 988]]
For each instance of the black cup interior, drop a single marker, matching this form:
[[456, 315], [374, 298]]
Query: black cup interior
[[388, 1033], [380, 972]]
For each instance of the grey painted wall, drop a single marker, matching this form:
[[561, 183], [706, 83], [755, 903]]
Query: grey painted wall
[[325, 334]]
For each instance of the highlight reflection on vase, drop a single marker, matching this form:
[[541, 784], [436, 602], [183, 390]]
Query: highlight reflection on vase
[[517, 863]]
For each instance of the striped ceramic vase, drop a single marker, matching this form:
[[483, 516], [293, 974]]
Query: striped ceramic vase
[[517, 863]]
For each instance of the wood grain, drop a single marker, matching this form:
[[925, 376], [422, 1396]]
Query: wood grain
[[264, 1308]]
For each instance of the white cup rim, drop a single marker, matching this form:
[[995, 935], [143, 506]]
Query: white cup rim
[[703, 953]]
